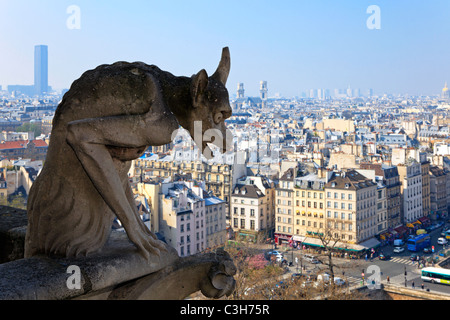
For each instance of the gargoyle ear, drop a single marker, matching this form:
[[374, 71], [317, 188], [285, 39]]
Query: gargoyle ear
[[199, 84], [223, 70]]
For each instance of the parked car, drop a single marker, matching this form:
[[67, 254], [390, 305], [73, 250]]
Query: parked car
[[399, 249], [277, 254], [383, 256], [338, 281], [442, 241], [414, 257], [427, 250], [310, 258]]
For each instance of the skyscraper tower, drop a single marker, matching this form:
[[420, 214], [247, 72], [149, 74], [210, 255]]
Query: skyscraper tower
[[263, 93], [40, 69], [263, 90], [240, 90]]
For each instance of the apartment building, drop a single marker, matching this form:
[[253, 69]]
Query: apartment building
[[182, 220], [252, 208], [185, 215], [351, 214], [387, 176], [391, 180], [411, 191], [402, 156], [382, 210], [438, 191], [309, 201], [218, 178], [215, 222], [284, 207]]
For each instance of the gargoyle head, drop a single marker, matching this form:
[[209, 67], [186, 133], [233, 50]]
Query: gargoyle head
[[210, 102]]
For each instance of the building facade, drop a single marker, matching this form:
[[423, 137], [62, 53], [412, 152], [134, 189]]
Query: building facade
[[411, 191], [284, 207], [252, 209], [438, 192]]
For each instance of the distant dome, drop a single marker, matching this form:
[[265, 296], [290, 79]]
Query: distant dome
[[445, 88]]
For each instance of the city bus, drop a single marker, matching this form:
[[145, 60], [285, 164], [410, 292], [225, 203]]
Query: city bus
[[419, 242], [447, 234], [438, 275]]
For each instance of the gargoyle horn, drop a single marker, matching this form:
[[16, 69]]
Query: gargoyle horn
[[223, 69]]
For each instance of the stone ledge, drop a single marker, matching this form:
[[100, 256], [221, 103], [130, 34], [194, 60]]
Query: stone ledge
[[416, 293], [43, 278], [13, 224]]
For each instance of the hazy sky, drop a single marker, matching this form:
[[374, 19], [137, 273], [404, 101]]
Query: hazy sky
[[294, 45]]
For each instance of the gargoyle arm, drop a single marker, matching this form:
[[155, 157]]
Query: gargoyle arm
[[89, 139]]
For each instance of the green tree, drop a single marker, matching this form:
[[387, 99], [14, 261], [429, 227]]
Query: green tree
[[30, 127]]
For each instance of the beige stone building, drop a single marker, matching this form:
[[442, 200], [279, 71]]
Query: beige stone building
[[252, 208], [309, 201], [351, 207], [218, 178], [438, 191], [284, 207]]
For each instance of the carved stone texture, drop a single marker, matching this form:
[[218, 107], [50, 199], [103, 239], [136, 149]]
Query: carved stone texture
[[211, 273], [109, 117]]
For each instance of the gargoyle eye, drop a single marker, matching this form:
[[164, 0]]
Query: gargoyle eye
[[218, 117]]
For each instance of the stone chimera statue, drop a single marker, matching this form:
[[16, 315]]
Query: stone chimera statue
[[109, 117]]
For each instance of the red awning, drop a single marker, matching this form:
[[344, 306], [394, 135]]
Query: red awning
[[424, 219], [401, 229]]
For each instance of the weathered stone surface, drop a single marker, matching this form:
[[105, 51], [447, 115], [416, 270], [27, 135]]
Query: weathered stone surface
[[211, 273], [12, 233], [108, 118], [45, 278]]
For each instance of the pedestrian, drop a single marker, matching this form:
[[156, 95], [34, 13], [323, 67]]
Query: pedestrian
[[423, 287], [412, 285], [387, 278]]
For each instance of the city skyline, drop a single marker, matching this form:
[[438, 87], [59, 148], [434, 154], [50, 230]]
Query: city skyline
[[295, 46]]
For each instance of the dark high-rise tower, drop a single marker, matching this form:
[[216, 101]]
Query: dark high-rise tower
[[40, 69]]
